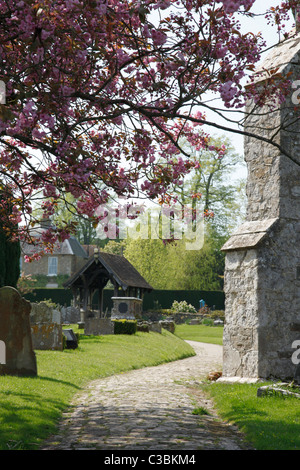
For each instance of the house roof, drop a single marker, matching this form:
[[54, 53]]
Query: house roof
[[70, 246], [75, 248], [116, 267]]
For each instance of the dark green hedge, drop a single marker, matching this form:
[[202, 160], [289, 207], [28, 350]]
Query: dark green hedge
[[58, 296], [153, 300], [165, 298], [125, 327]]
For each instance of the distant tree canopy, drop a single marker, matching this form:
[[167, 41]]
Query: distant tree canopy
[[219, 193], [172, 266]]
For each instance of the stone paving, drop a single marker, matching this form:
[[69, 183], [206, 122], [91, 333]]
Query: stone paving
[[149, 409]]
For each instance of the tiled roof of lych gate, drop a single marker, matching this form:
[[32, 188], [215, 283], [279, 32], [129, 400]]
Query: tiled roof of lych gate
[[117, 267]]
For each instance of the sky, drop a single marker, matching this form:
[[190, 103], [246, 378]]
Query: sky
[[259, 24]]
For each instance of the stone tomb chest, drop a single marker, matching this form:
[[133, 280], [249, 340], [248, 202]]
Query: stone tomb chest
[[129, 308]]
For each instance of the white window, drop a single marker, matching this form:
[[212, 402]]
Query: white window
[[52, 266]]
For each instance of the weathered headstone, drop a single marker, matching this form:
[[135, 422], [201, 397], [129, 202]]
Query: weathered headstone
[[2, 353], [46, 328], [98, 326], [168, 325], [16, 335]]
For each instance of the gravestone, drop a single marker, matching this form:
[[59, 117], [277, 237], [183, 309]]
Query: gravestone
[[15, 334], [262, 267], [98, 326], [71, 339], [70, 314], [46, 327]]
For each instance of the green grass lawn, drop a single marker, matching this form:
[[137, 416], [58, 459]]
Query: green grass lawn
[[31, 407], [202, 333], [269, 423]]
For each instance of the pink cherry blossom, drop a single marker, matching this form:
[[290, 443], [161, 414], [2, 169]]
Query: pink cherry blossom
[[101, 94]]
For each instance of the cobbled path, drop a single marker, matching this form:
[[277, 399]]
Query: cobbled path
[[149, 409]]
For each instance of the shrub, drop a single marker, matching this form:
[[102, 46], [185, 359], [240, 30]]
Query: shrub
[[218, 314], [125, 327], [182, 307]]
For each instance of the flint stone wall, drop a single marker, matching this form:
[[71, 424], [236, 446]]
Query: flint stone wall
[[262, 270]]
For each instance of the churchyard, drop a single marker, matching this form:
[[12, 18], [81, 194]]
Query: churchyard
[[31, 406]]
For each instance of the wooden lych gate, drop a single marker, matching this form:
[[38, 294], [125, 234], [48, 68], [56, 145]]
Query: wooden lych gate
[[95, 275]]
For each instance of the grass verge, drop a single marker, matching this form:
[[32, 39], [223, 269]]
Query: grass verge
[[31, 407], [268, 422], [202, 333]]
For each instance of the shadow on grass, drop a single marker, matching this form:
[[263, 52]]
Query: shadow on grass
[[266, 430], [29, 416]]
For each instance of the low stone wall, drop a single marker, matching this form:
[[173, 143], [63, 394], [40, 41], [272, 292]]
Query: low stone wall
[[178, 318]]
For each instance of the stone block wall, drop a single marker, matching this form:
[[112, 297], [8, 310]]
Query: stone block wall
[[262, 273], [240, 337]]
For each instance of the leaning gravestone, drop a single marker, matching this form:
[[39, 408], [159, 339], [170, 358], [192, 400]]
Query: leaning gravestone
[[71, 339], [15, 334]]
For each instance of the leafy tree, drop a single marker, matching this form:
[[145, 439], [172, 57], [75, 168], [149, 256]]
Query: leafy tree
[[211, 182], [150, 258], [99, 91], [172, 266]]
